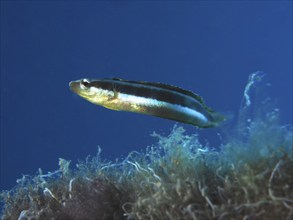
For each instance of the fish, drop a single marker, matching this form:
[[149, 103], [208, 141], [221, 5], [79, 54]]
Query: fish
[[150, 98]]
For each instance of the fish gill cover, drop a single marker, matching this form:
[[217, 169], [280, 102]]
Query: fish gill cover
[[250, 177]]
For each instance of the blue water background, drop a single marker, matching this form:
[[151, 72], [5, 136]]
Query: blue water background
[[208, 47]]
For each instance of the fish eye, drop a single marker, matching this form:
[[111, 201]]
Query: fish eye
[[84, 83]]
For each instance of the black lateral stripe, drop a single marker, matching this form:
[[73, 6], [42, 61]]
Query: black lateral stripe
[[150, 91], [163, 86]]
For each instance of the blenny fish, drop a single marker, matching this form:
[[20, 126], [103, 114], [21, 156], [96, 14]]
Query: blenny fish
[[157, 99]]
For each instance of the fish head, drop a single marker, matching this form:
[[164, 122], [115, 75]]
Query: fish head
[[90, 90]]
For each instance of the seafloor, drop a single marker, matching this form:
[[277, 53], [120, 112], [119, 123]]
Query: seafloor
[[250, 176]]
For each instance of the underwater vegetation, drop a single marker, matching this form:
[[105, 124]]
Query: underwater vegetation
[[250, 176]]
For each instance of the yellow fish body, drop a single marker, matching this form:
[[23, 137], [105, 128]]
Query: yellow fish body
[[149, 98]]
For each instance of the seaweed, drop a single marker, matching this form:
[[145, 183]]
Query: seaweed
[[249, 177]]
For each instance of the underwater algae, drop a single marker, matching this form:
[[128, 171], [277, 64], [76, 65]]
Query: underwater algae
[[249, 177]]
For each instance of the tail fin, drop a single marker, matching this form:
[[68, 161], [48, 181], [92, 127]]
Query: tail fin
[[219, 118]]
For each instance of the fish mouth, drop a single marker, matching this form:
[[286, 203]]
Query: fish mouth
[[74, 86]]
